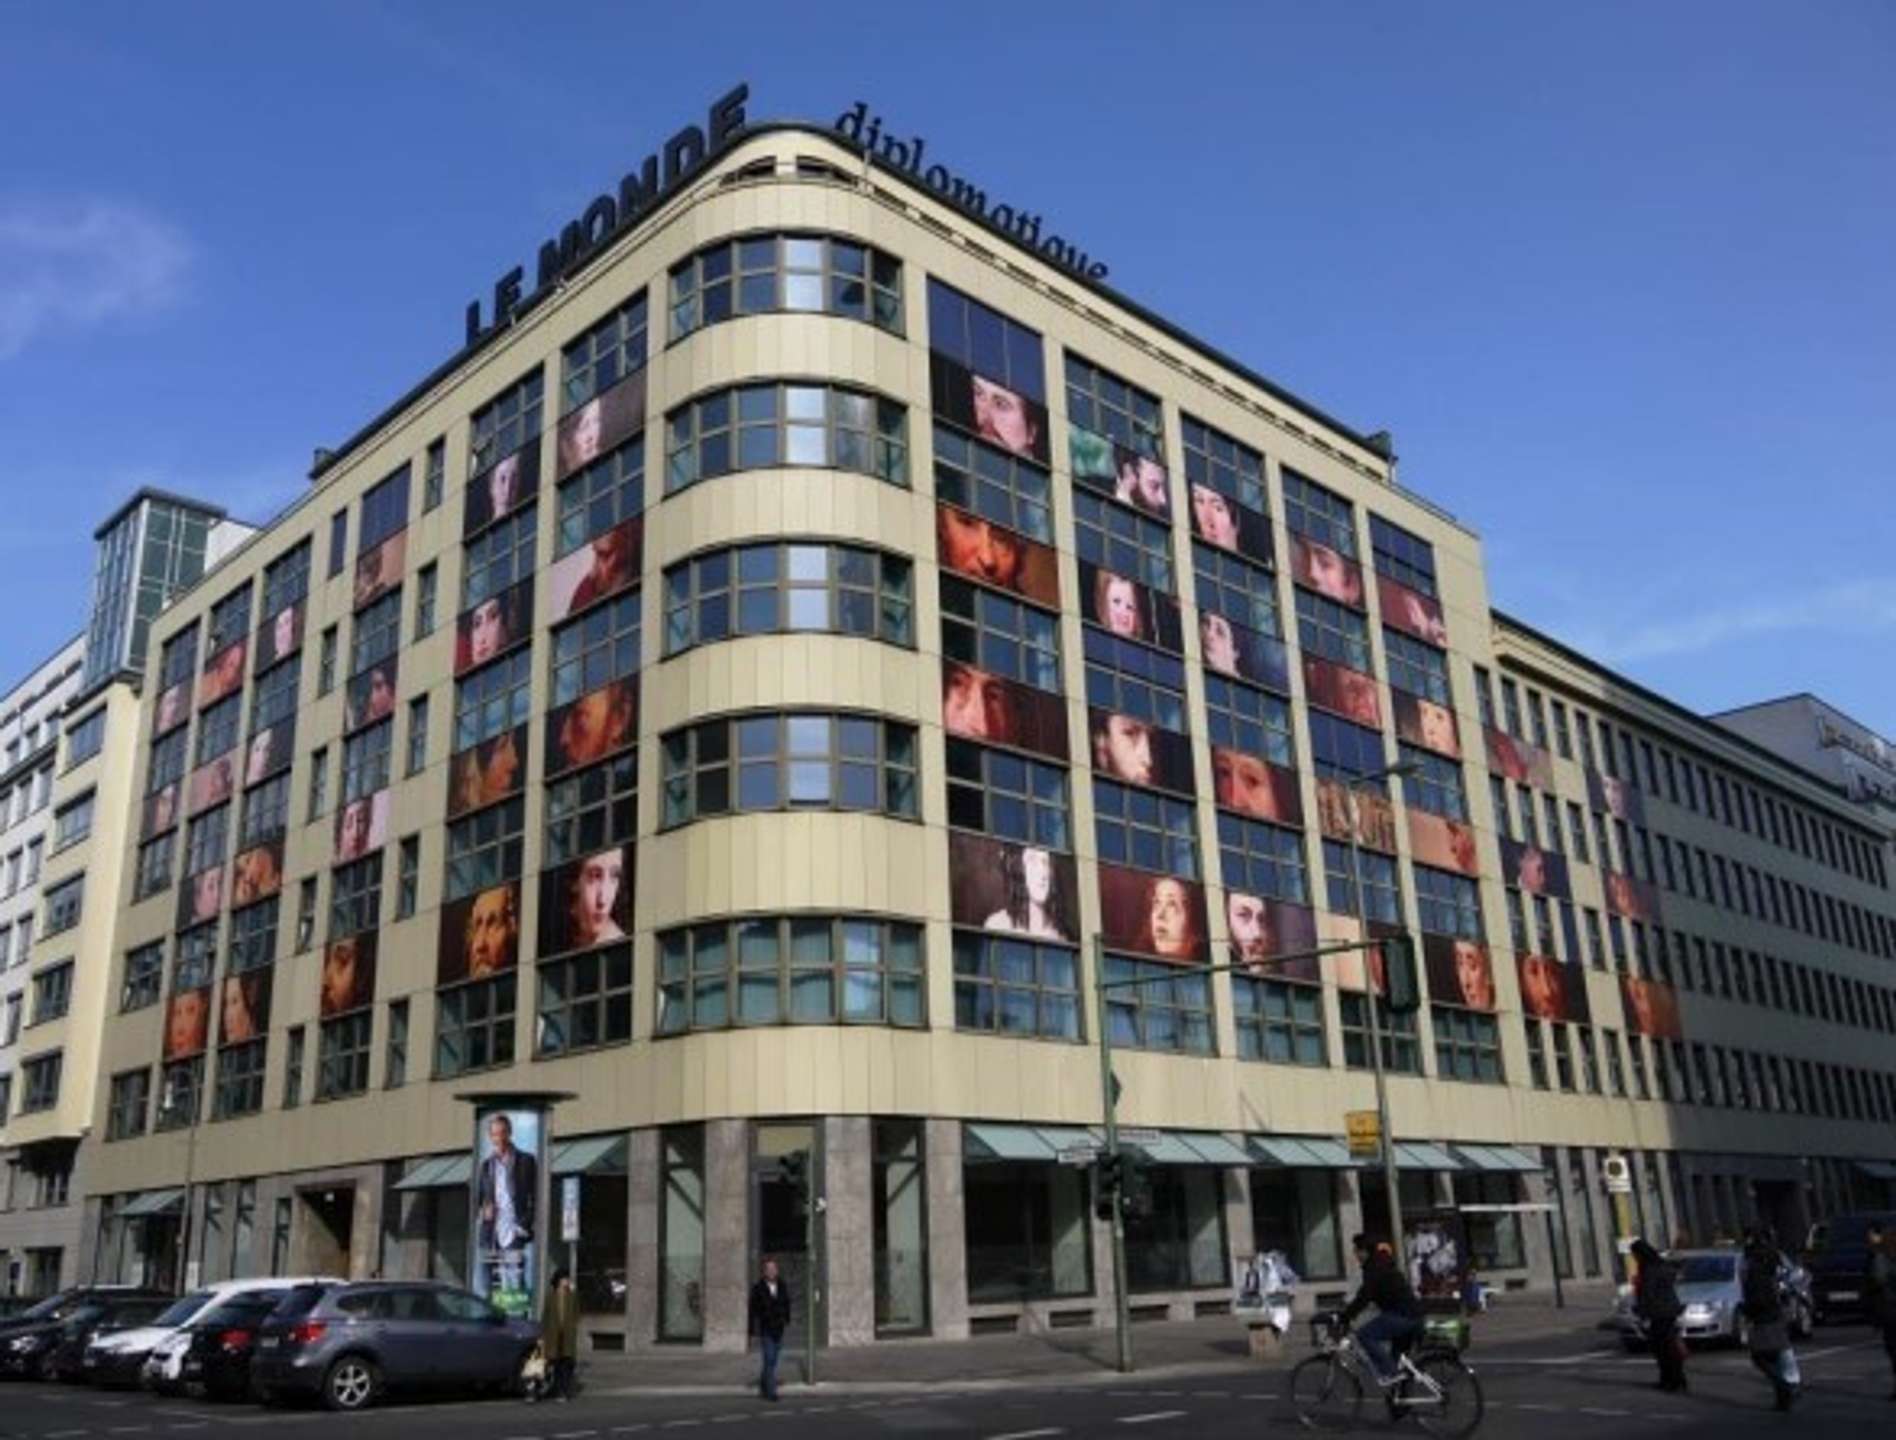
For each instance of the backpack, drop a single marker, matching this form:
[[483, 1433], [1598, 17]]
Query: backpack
[[1659, 1293]]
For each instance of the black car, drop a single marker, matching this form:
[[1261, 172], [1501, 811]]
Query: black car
[[66, 1361], [29, 1341], [1839, 1262], [56, 1305], [348, 1344], [220, 1345]]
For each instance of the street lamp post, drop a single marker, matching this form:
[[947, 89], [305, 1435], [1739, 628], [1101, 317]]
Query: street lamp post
[[1361, 907]]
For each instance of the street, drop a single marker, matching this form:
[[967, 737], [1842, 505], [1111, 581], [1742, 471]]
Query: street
[[1573, 1384]]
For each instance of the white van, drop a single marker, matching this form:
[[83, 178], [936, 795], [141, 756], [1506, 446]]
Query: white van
[[120, 1358]]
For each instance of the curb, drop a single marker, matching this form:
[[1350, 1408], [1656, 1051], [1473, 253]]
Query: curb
[[964, 1385]]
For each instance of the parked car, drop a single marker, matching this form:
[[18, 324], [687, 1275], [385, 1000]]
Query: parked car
[[349, 1344], [1838, 1255], [214, 1350], [1710, 1288], [30, 1350], [119, 1359], [67, 1361], [56, 1305]]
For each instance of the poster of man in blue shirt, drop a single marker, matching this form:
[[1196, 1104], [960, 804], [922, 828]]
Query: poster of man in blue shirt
[[507, 1194]]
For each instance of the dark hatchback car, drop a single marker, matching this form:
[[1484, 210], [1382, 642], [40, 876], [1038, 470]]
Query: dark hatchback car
[[219, 1346], [348, 1345], [1839, 1262], [51, 1343]]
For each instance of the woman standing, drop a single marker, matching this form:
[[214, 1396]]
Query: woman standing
[[559, 1333], [1656, 1301]]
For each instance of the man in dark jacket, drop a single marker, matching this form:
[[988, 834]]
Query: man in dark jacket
[[769, 1318], [1656, 1302], [1761, 1287], [1398, 1312], [1879, 1290]]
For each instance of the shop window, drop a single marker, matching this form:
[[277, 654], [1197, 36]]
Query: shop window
[[1028, 1232]]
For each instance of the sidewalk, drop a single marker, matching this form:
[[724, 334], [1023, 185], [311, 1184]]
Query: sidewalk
[[1028, 1360]]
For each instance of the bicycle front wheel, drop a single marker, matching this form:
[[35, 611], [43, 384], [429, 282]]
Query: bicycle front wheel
[[1447, 1402], [1325, 1394]]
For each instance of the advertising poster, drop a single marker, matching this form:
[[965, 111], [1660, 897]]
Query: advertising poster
[[361, 826], [200, 897], [1262, 929], [1446, 844], [1116, 470], [1630, 897], [257, 873], [1139, 752], [348, 978], [1521, 762], [1537, 871], [223, 674], [599, 723], [1423, 722], [492, 628], [174, 708], [1157, 915], [502, 488], [586, 903], [1410, 611], [209, 784], [370, 696], [1374, 812], [988, 409], [1348, 965], [507, 1198], [1460, 971], [488, 772], [1342, 691], [1552, 991], [1317, 567], [977, 705], [1652, 1008], [1024, 890], [992, 554], [1255, 787], [602, 424], [480, 935], [604, 566], [1219, 520], [1243, 653], [244, 1012], [1608, 796], [160, 811], [187, 1023], [279, 637], [1130, 610], [379, 571], [270, 751]]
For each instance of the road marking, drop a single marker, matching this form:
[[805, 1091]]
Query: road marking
[[573, 1434], [1148, 1419], [1595, 1410], [631, 1429], [1027, 1434], [1547, 1409]]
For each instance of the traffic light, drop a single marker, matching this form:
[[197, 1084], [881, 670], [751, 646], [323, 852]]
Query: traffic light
[[1401, 993], [1135, 1183], [1106, 1180], [794, 1170]]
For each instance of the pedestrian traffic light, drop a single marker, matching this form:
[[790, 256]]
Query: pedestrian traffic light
[[794, 1170], [1106, 1173], [1401, 994], [1135, 1183]]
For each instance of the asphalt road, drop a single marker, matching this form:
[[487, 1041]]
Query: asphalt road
[[1578, 1385]]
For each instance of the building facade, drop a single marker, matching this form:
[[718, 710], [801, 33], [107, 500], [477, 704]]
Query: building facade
[[1820, 738], [754, 692]]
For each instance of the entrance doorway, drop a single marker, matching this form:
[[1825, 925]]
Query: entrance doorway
[[779, 1225], [328, 1229]]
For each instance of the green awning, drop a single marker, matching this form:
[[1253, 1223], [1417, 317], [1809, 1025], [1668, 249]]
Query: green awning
[[1421, 1155], [1877, 1169], [438, 1172], [1216, 1150], [153, 1202], [1045, 1142], [1299, 1152], [1006, 1142], [591, 1155], [1504, 1158]]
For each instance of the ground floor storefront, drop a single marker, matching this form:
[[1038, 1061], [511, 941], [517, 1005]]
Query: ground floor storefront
[[950, 1228]]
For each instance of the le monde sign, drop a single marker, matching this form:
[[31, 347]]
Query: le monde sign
[[692, 148]]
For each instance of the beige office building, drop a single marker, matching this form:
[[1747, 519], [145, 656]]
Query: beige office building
[[741, 693]]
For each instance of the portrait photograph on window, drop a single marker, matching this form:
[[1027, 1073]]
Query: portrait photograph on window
[[200, 897], [1150, 914], [502, 488], [280, 636], [599, 723], [1317, 567], [1243, 653], [1616, 798], [1423, 722], [1446, 844], [1255, 787], [994, 555], [223, 674], [243, 1012], [1116, 470], [480, 935], [1460, 972], [362, 826], [1551, 990], [603, 566], [257, 873], [1374, 815], [379, 571], [1219, 520], [493, 627], [209, 784], [1139, 752], [1412, 612], [988, 409], [348, 975], [1025, 890], [1130, 610], [1260, 930], [1342, 691], [1652, 1007], [586, 903], [1537, 871], [979, 706], [187, 1023], [1519, 761], [487, 772], [370, 696], [601, 424]]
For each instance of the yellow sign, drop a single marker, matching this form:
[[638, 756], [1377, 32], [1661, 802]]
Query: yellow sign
[[1364, 1132]]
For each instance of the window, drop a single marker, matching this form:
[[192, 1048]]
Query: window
[[760, 273], [239, 1080], [377, 633], [1467, 1044], [1315, 513], [85, 738], [585, 1001], [217, 729], [596, 649], [1407, 559], [1382, 890], [365, 760], [1015, 987], [592, 810], [752, 427], [1166, 1011], [384, 511], [64, 902], [1262, 859], [434, 474], [606, 492], [1099, 401], [318, 782], [355, 897], [1435, 785], [774, 762], [801, 970], [985, 341], [196, 958], [16, 1003], [1003, 636], [338, 542], [1328, 629], [128, 1105], [342, 1056], [168, 759], [1122, 541], [1236, 589], [395, 1067], [498, 557], [1004, 794], [485, 848], [41, 1076], [153, 872], [1151, 831], [492, 700], [1448, 904], [253, 932], [144, 977], [1133, 679], [326, 662], [1401, 1054], [1420, 669], [293, 1069], [474, 1026], [759, 589], [305, 913], [417, 735], [994, 484], [1240, 718], [1342, 751], [52, 992], [230, 620], [1228, 466], [274, 696], [408, 877], [1278, 1021], [427, 593], [602, 357], [266, 811], [505, 423]]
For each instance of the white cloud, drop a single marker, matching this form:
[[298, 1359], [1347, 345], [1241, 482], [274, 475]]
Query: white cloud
[[80, 264], [1857, 607]]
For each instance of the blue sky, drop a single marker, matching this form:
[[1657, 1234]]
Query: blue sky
[[1618, 276]]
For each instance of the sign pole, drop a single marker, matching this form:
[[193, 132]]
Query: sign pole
[[1372, 1005], [1109, 1101]]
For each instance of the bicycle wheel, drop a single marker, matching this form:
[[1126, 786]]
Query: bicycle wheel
[[1325, 1395], [1450, 1403]]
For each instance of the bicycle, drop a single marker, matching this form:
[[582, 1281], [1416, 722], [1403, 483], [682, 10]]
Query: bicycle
[[1433, 1384]]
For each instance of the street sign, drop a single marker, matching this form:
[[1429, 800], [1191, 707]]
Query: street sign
[[569, 1208], [1079, 1154], [1617, 1175], [1364, 1130], [1137, 1135]]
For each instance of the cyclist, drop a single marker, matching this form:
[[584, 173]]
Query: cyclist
[[1398, 1313]]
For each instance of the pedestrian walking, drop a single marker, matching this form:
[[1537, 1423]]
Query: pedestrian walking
[[1656, 1301], [1879, 1292], [769, 1318], [1762, 1285], [559, 1334]]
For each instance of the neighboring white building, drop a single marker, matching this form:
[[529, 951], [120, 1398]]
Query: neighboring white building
[[1820, 738]]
